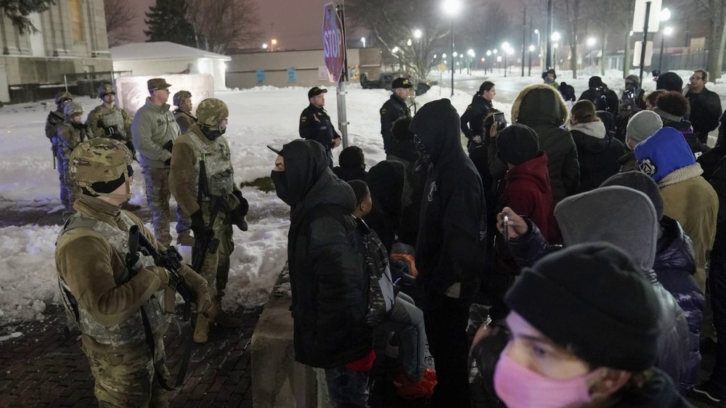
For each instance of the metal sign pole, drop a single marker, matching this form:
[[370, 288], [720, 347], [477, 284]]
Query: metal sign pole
[[342, 113], [645, 40]]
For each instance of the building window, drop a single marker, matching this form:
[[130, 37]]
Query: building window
[[77, 21]]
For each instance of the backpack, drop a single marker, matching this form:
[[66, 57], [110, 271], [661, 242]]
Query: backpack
[[380, 289]]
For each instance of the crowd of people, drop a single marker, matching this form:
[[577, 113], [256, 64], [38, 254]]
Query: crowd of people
[[589, 231]]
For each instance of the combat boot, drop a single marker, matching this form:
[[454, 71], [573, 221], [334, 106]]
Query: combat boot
[[222, 318], [201, 330]]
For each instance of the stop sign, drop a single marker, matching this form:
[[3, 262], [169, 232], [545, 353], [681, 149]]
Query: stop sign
[[333, 46]]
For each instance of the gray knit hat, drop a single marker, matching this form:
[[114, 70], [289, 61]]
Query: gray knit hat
[[642, 125]]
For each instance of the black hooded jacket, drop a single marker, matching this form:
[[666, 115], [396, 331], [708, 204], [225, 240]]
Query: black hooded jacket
[[473, 119], [329, 285], [451, 244], [385, 182], [413, 183], [657, 392]]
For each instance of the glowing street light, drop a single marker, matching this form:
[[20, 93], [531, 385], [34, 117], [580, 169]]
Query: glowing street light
[[591, 41], [455, 54], [264, 46], [665, 14], [531, 48], [443, 55], [409, 42], [470, 52], [451, 8], [489, 53], [395, 50], [556, 36], [417, 34], [363, 40], [666, 32], [494, 50]]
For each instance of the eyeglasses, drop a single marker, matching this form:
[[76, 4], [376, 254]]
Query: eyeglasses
[[694, 78]]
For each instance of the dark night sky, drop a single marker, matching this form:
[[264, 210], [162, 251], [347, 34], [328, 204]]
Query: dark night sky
[[296, 24]]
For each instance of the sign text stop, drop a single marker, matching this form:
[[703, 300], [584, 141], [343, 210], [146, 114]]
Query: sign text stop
[[333, 42]]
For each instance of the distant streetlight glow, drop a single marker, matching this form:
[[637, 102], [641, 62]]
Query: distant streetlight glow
[[451, 7], [665, 14], [455, 54], [417, 33], [489, 53], [556, 36], [531, 48], [409, 42], [470, 52], [264, 46], [668, 30], [591, 41], [363, 40], [274, 41]]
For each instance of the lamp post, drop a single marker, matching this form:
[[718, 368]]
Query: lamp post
[[665, 15], [539, 46], [499, 59], [554, 53], [264, 46], [471, 55], [363, 40], [505, 48], [529, 70], [452, 8], [274, 43], [590, 43]]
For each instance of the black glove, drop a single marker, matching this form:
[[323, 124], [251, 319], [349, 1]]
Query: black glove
[[197, 224], [168, 146], [244, 206], [168, 161], [237, 216]]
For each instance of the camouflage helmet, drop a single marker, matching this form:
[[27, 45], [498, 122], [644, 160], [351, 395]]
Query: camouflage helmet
[[180, 96], [61, 96], [105, 89], [99, 160], [73, 108], [211, 112]]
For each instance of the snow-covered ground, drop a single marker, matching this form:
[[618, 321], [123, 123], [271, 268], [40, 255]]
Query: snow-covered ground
[[258, 117]]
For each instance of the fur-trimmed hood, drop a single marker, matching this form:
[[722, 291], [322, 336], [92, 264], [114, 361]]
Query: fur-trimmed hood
[[539, 104]]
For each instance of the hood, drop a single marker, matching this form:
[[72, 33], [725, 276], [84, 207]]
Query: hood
[[437, 124], [385, 181], [675, 249], [405, 151], [478, 100], [618, 215], [347, 174], [663, 153], [534, 170], [539, 104], [670, 81], [608, 120], [309, 179], [594, 129]]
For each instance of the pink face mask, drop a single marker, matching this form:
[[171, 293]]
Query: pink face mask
[[519, 387]]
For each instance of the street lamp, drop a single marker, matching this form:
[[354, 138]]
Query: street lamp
[[665, 14], [494, 51], [451, 8], [489, 53], [395, 50], [539, 46], [409, 42], [443, 55], [264, 46], [591, 41], [417, 34], [556, 36], [505, 48], [455, 54], [554, 52], [529, 70], [666, 32], [363, 40], [274, 43]]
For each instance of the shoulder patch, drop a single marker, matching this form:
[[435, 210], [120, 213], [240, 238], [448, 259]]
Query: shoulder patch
[[469, 107], [383, 111], [303, 118]]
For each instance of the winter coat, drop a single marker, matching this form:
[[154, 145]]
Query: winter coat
[[717, 179], [185, 120], [385, 182], [315, 124], [472, 121], [628, 162], [687, 131], [690, 200], [675, 265], [674, 337], [597, 152], [347, 174], [101, 119], [329, 286], [451, 246], [604, 99], [153, 128], [705, 111], [413, 183], [393, 109], [541, 107], [658, 392]]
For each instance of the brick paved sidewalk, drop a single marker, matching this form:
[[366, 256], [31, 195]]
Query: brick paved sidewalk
[[46, 368]]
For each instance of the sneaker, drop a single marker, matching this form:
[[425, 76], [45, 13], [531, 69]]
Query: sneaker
[[408, 390], [707, 393]]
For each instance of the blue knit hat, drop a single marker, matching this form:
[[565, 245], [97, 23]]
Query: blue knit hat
[[663, 153]]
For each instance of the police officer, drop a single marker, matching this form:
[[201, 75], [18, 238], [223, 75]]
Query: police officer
[[315, 124], [70, 133], [108, 120], [394, 109], [154, 131], [472, 121], [204, 142], [106, 297], [183, 113]]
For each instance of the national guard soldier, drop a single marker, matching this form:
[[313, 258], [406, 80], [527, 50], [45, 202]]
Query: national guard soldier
[[315, 124], [154, 131], [108, 120], [183, 113], [70, 133], [394, 109], [202, 182], [54, 119], [115, 299]]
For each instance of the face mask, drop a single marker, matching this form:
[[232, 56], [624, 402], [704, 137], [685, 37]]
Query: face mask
[[280, 181], [519, 387], [422, 164], [212, 134]]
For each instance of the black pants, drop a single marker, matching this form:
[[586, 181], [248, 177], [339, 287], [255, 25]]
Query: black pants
[[717, 287], [446, 319]]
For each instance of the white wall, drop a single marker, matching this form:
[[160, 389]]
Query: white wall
[[162, 67], [132, 91]]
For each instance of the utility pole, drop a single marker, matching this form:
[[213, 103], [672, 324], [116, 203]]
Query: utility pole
[[549, 35], [524, 37], [645, 39]]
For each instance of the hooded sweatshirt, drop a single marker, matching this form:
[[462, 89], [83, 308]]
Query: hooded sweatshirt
[[451, 245], [541, 107], [329, 285], [597, 152]]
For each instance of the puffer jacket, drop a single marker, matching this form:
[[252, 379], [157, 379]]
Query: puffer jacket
[[541, 107], [675, 264], [532, 246]]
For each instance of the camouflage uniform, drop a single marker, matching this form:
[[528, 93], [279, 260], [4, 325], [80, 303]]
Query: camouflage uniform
[[111, 122], [55, 118], [184, 182], [102, 297], [184, 119], [154, 131], [69, 135]]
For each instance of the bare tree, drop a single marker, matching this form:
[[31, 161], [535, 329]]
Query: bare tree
[[607, 17], [224, 25], [572, 16], [712, 14], [395, 25], [119, 20], [18, 10]]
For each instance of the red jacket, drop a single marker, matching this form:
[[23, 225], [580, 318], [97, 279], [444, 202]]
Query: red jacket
[[528, 193]]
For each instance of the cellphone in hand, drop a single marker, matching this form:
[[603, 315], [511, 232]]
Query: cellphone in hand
[[506, 229], [500, 121]]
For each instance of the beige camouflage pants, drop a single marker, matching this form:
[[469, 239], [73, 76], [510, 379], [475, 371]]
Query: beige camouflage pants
[[69, 190], [215, 268], [128, 379], [157, 196]]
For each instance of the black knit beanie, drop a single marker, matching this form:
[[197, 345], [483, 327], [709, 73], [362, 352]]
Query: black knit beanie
[[670, 81], [517, 144], [591, 300]]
